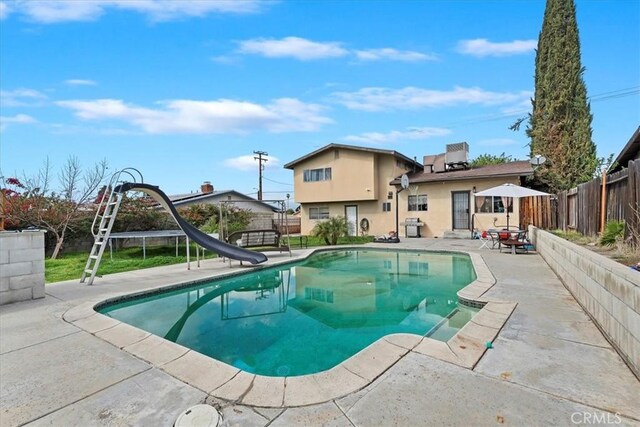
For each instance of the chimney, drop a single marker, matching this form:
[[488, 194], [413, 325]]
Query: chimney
[[206, 187]]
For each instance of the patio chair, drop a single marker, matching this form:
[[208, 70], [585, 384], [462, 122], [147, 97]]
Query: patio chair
[[494, 236], [485, 239]]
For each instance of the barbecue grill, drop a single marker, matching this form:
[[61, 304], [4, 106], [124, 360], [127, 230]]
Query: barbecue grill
[[412, 227]]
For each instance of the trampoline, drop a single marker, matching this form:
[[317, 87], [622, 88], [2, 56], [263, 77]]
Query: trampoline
[[144, 235]]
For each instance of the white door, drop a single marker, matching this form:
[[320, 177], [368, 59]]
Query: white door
[[351, 214]]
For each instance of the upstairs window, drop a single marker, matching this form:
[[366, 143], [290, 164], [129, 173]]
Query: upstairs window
[[386, 206], [418, 202], [313, 175]]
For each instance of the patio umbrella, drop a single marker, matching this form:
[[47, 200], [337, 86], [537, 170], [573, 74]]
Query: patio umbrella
[[510, 190]]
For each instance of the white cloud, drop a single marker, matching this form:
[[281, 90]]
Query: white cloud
[[309, 50], [17, 119], [522, 107], [483, 47], [390, 54], [292, 47], [225, 59], [80, 82], [53, 11], [414, 133], [4, 10], [249, 163], [205, 117], [496, 142], [85, 129], [21, 97], [408, 98]]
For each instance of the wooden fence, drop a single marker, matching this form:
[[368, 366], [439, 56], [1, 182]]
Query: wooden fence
[[580, 208], [293, 224], [538, 211]]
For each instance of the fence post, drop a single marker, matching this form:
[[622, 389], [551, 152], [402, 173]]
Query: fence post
[[603, 201]]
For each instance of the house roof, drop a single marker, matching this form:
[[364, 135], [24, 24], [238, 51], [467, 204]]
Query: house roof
[[629, 152], [517, 168], [291, 164], [182, 199]]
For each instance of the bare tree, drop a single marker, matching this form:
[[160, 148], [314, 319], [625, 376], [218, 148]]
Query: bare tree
[[37, 205]]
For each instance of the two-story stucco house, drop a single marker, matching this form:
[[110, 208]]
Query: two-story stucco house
[[363, 183], [351, 181]]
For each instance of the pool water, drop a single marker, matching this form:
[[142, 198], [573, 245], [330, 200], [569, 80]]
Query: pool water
[[306, 317]]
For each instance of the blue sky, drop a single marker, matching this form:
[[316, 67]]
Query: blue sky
[[185, 91]]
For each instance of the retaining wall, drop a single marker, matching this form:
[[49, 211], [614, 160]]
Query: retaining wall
[[607, 290], [21, 266]]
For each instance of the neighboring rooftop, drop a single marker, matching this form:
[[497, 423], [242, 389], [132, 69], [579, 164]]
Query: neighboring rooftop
[[517, 168], [394, 153], [199, 196], [631, 151]]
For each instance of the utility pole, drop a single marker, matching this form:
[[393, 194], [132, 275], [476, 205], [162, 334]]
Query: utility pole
[[260, 160]]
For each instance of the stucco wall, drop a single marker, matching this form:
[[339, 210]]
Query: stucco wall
[[438, 217], [608, 291], [379, 222], [21, 266], [352, 177], [355, 176]]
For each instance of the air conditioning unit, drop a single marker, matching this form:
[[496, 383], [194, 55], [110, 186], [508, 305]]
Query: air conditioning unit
[[457, 154], [439, 163]]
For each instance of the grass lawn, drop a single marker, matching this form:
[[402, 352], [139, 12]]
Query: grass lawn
[[313, 241], [70, 266]]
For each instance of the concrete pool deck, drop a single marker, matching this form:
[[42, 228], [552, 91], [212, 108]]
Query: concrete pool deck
[[549, 364]]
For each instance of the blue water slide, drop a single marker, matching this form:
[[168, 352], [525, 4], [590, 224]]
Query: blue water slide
[[203, 239]]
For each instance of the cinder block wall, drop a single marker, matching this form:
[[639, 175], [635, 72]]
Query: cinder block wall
[[607, 290], [21, 266], [261, 221]]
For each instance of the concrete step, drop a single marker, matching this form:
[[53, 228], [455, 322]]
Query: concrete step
[[457, 234]]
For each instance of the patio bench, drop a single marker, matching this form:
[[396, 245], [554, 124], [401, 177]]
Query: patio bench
[[264, 240]]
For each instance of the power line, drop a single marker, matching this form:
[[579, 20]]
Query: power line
[[269, 192], [619, 93], [276, 182]]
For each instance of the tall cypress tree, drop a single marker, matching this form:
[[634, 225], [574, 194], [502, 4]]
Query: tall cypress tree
[[560, 123]]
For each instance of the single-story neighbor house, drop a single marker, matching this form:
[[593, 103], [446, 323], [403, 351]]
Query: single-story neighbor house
[[363, 183], [263, 213], [631, 151]]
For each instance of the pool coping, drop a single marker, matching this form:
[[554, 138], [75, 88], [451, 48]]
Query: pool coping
[[229, 383]]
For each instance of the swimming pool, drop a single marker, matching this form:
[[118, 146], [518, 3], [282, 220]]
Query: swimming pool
[[308, 316]]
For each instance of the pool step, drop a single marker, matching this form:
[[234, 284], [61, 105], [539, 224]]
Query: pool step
[[451, 324]]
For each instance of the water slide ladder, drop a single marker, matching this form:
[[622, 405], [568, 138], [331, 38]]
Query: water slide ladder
[[104, 220]]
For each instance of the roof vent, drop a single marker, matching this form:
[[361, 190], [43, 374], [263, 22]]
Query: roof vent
[[457, 154]]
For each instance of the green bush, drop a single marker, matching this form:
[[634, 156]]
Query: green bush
[[211, 226], [331, 229], [613, 233]]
